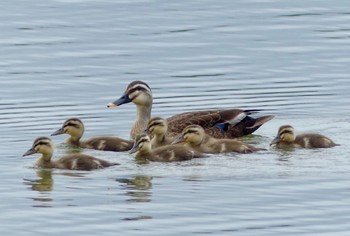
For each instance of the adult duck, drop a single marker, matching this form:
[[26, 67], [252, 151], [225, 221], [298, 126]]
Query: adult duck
[[221, 123]]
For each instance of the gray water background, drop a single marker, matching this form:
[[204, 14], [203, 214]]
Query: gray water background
[[63, 59]]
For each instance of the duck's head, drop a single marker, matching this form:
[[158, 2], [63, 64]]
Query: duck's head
[[285, 134], [137, 92], [192, 134], [41, 145], [74, 127], [142, 143], [157, 126]]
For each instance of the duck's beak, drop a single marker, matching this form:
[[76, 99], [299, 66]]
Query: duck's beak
[[275, 141], [58, 132], [29, 152], [178, 139], [122, 100], [134, 148]]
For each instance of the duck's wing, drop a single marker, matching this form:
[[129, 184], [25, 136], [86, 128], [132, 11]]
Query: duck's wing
[[108, 143], [207, 119], [82, 162]]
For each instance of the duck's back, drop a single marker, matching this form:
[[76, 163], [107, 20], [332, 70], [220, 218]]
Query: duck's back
[[171, 153], [229, 145], [314, 141], [81, 162], [107, 143], [240, 123], [209, 118]]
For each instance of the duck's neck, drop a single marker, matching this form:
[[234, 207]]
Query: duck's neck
[[145, 150], [205, 140], [45, 161], [143, 115], [159, 137], [74, 141]]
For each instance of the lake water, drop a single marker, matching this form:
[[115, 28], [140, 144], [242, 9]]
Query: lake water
[[69, 58]]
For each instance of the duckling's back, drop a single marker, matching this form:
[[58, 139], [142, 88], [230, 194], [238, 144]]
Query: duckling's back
[[81, 162], [174, 152], [314, 141], [107, 144], [229, 145]]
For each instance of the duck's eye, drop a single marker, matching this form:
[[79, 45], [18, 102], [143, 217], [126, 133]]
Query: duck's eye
[[143, 140], [41, 143], [72, 125], [286, 132], [191, 131], [157, 124]]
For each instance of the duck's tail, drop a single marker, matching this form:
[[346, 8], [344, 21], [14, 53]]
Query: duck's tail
[[253, 124]]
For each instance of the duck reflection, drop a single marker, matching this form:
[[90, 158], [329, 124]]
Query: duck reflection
[[44, 185], [138, 188]]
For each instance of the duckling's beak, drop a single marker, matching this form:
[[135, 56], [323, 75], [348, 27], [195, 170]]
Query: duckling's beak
[[275, 141], [29, 152], [178, 139], [58, 132], [134, 148], [122, 100]]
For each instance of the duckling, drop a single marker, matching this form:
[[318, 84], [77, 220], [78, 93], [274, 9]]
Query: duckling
[[286, 138], [75, 128], [196, 138], [44, 145], [168, 153], [228, 123], [158, 128]]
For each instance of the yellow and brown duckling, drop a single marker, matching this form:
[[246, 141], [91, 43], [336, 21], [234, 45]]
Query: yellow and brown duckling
[[158, 128], [75, 128], [286, 138], [228, 123], [168, 153], [75, 161], [196, 138]]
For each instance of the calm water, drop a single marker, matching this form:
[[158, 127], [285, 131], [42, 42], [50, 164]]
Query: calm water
[[69, 58]]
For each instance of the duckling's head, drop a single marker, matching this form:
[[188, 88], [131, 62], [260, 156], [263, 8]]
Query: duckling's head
[[137, 92], [74, 127], [142, 144], [285, 134], [157, 126], [41, 145], [192, 134]]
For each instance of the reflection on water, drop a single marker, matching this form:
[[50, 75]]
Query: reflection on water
[[137, 188], [44, 185], [45, 181]]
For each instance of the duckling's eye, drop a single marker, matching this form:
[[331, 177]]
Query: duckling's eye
[[191, 131], [157, 124], [286, 132], [143, 140], [72, 124], [41, 143]]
